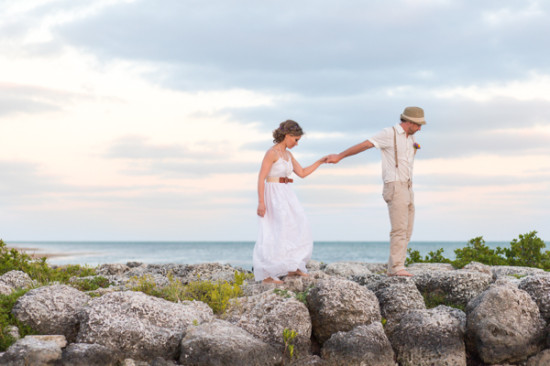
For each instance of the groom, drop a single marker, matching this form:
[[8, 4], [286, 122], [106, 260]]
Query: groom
[[398, 147]]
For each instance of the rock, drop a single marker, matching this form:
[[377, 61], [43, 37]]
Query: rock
[[115, 269], [222, 343], [12, 331], [347, 269], [456, 287], [538, 287], [142, 327], [396, 296], [365, 345], [314, 265], [430, 337], [35, 351], [478, 267], [311, 360], [540, 359], [268, 314], [504, 325], [499, 271], [417, 268], [84, 354], [51, 310], [13, 280], [340, 305]]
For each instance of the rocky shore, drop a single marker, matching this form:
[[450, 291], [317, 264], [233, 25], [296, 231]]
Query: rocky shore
[[343, 314]]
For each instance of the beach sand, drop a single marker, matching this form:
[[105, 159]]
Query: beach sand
[[35, 252]]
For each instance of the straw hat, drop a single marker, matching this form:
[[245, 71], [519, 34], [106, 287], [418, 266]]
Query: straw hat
[[414, 115]]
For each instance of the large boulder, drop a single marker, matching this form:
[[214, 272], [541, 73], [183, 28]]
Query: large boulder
[[140, 326], [504, 325], [220, 343], [430, 337], [456, 287], [517, 271], [339, 305], [397, 295], [538, 287], [51, 310], [268, 314], [13, 280], [35, 351], [365, 345], [84, 354]]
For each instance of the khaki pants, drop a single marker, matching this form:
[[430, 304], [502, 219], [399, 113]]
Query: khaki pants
[[400, 199]]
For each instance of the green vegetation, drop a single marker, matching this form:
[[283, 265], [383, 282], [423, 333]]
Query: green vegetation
[[526, 251], [214, 294], [42, 274], [6, 319], [434, 298], [289, 336]]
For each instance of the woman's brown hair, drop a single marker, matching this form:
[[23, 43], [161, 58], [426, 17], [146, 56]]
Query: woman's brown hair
[[288, 127]]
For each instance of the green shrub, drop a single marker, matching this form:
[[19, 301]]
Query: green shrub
[[433, 299], [214, 294], [6, 318], [527, 252]]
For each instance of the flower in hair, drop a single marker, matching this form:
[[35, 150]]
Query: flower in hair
[[416, 146]]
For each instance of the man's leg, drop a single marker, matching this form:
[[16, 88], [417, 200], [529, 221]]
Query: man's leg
[[398, 198]]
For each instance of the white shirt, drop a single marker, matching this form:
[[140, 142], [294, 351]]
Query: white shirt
[[405, 154]]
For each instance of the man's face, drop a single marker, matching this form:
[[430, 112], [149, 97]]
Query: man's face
[[412, 128]]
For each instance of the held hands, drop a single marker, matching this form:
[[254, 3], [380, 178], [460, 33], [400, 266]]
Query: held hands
[[333, 158]]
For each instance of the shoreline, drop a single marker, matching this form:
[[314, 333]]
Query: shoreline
[[34, 253]]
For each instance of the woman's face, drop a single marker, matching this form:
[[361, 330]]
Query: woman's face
[[291, 141]]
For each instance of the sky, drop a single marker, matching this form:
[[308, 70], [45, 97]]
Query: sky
[[148, 120]]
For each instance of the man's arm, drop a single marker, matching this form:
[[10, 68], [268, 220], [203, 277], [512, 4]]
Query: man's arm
[[355, 149]]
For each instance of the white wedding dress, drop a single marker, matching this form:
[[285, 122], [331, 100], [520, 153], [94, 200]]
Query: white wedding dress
[[284, 242]]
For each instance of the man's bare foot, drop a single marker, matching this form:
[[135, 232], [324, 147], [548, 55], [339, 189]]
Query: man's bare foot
[[297, 273], [401, 273], [273, 280]]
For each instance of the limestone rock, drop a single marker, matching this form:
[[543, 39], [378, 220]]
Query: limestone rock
[[457, 287], [51, 309], [84, 354], [13, 280], [504, 325], [35, 351], [418, 268], [499, 271], [540, 359], [478, 267], [430, 337], [539, 289], [142, 327], [340, 305], [397, 295], [222, 343], [365, 345], [347, 269], [267, 315]]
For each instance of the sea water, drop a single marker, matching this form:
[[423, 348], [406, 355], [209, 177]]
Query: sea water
[[236, 253]]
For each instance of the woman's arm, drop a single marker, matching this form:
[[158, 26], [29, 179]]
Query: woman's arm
[[355, 149], [269, 158], [304, 172]]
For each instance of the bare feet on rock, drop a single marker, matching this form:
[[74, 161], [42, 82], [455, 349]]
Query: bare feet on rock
[[273, 280], [297, 273], [401, 273]]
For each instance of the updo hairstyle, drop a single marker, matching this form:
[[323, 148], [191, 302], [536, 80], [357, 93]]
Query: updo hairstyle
[[288, 127]]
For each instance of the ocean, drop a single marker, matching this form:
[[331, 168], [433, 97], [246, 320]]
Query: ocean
[[238, 253]]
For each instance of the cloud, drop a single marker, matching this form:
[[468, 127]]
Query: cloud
[[316, 47]]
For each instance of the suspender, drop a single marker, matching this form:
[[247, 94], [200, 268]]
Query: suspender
[[395, 146]]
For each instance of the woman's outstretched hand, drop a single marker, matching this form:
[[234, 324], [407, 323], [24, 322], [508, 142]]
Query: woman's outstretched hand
[[333, 158]]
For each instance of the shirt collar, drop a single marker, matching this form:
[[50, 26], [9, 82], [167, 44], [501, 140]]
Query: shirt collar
[[399, 129]]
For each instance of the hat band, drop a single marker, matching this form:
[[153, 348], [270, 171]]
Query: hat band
[[414, 120]]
